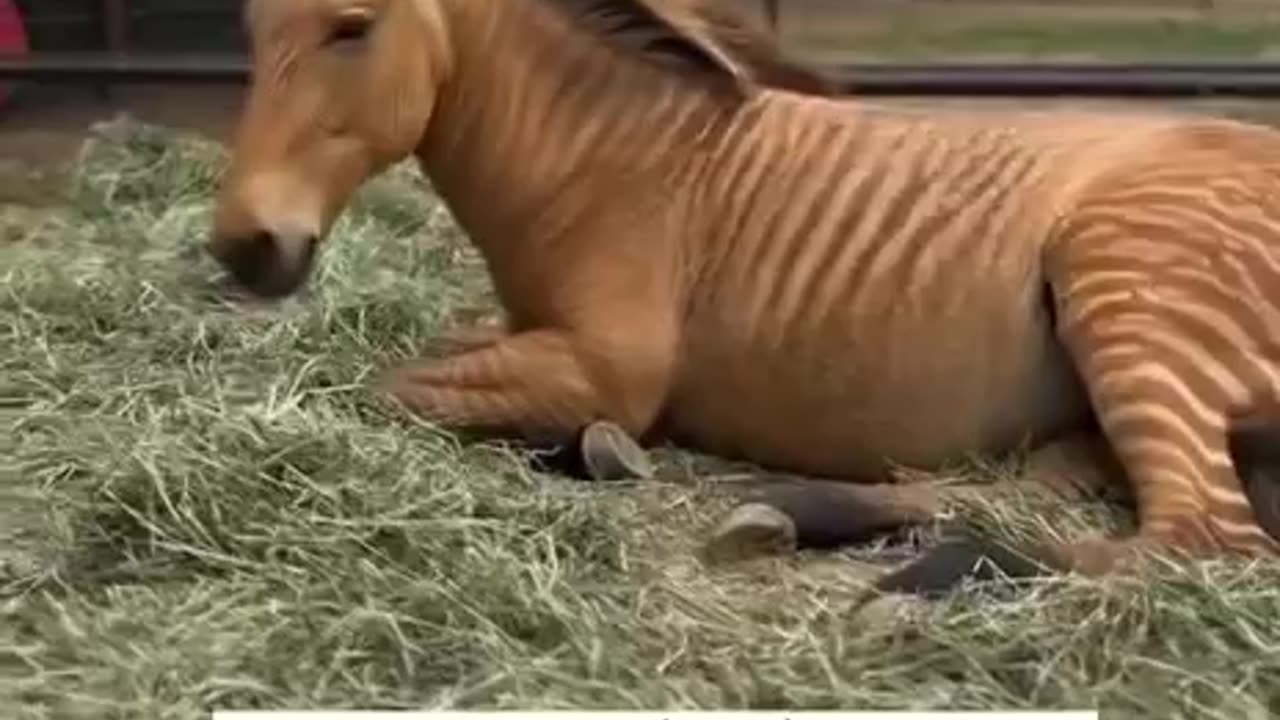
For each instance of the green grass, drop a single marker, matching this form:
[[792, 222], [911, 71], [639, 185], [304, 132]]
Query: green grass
[[908, 37], [201, 507]]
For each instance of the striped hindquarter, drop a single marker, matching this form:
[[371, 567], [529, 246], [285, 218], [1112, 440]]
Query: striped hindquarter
[[1167, 276]]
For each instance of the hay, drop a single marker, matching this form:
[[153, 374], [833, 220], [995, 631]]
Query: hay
[[200, 507]]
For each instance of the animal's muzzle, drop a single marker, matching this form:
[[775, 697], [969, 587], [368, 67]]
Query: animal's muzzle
[[267, 264]]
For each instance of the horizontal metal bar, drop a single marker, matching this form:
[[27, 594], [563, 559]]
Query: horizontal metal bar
[[988, 66], [147, 14], [1049, 82], [124, 68], [1239, 79], [1048, 79]]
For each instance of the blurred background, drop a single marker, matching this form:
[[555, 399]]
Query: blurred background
[[40, 123], [839, 30], [826, 28], [829, 28]]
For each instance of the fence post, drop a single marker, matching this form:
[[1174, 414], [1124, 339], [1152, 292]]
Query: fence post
[[115, 33], [771, 14]]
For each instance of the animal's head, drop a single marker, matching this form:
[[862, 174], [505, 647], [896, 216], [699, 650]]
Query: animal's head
[[343, 88], [340, 90]]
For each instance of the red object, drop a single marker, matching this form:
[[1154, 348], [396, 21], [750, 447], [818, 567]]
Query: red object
[[13, 37]]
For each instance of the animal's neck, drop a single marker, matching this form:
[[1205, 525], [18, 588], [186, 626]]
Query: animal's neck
[[540, 124]]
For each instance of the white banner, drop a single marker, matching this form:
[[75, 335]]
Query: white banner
[[656, 715]]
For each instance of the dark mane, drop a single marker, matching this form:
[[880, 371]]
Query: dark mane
[[701, 38], [759, 50]]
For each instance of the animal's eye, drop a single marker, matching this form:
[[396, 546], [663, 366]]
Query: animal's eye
[[350, 29]]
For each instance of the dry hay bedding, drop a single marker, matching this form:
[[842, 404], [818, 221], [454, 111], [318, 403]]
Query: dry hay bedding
[[203, 507]]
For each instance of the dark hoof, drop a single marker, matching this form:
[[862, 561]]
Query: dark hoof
[[751, 530], [601, 450], [610, 453], [946, 566]]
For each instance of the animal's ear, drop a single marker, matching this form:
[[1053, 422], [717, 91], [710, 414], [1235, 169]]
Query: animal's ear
[[663, 31]]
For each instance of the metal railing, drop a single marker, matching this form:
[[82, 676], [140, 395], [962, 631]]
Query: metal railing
[[1148, 80]]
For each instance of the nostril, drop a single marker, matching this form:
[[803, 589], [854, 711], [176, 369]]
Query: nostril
[[309, 245], [249, 258], [266, 262], [260, 249]]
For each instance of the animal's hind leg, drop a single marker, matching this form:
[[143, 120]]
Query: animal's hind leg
[[1168, 351], [780, 514], [1164, 320], [1191, 524]]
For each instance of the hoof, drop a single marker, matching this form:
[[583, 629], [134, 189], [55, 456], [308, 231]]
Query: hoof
[[751, 530], [610, 453], [946, 566]]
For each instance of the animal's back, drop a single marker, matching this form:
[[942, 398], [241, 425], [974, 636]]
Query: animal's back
[[868, 284]]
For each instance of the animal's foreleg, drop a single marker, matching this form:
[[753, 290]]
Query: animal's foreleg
[[782, 514], [533, 385], [1074, 467], [466, 338]]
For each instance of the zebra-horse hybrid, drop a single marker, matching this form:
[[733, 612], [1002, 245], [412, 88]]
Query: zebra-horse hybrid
[[691, 239]]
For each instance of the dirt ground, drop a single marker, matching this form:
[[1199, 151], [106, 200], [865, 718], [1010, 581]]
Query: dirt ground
[[42, 127]]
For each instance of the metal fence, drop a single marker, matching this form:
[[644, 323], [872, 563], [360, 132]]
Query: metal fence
[[133, 26], [104, 42]]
